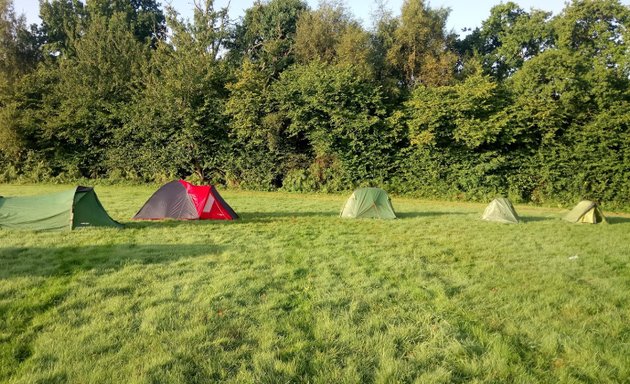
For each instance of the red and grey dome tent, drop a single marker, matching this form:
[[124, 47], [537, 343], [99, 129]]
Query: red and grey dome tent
[[182, 200]]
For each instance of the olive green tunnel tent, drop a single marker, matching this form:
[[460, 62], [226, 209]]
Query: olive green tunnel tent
[[586, 211], [500, 210], [368, 203], [75, 208]]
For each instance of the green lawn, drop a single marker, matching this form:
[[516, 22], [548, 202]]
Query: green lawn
[[292, 294]]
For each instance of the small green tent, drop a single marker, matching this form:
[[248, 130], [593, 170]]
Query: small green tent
[[586, 212], [75, 208], [500, 210], [368, 203]]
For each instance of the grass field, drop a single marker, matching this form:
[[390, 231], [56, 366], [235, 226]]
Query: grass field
[[293, 294]]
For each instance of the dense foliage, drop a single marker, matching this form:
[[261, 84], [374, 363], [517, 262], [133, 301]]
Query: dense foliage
[[528, 105]]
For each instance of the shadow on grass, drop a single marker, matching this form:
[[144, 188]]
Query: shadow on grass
[[171, 223], [533, 219], [617, 219], [410, 215], [268, 216], [292, 214], [243, 218], [609, 219], [61, 261]]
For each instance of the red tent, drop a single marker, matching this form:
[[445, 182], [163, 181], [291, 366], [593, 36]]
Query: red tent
[[182, 200]]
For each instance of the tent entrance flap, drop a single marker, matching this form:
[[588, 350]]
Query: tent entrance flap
[[198, 194]]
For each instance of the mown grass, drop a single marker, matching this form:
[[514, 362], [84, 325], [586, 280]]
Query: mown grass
[[292, 293]]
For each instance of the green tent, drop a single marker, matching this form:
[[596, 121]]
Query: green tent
[[368, 203], [586, 212], [500, 210], [75, 208]]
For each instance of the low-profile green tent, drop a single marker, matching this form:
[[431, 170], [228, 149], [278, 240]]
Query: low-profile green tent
[[586, 211], [75, 208], [368, 203], [500, 210]]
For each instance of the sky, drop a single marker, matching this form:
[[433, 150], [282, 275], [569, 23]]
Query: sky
[[464, 13]]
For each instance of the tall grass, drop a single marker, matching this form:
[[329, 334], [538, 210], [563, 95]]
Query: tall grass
[[292, 293]]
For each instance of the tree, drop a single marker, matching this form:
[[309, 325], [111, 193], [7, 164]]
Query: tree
[[461, 114], [143, 16], [573, 101], [594, 28], [19, 49], [19, 54], [319, 32], [266, 35], [355, 48], [92, 87], [508, 38], [259, 148], [386, 72], [462, 142], [330, 34], [174, 125], [63, 23], [421, 50], [340, 115]]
